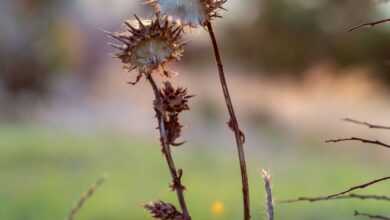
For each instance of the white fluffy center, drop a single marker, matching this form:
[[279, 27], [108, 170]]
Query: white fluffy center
[[190, 12]]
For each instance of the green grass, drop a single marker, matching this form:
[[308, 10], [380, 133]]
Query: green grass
[[44, 171]]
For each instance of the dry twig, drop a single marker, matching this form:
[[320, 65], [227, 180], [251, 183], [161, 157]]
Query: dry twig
[[348, 196], [339, 194], [369, 24], [371, 216], [233, 123], [376, 142], [366, 124], [84, 197]]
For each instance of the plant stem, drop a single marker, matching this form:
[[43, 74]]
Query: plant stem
[[233, 123], [175, 174]]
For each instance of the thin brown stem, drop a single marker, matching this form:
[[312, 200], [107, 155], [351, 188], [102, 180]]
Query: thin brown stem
[[336, 195], [233, 123], [348, 196], [370, 216], [369, 125], [367, 141], [369, 24], [175, 174]]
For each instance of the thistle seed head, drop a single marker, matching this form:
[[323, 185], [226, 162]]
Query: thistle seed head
[[163, 211], [174, 100], [188, 12], [149, 46]]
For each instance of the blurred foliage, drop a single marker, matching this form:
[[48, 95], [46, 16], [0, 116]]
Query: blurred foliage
[[44, 172], [290, 36], [29, 53]]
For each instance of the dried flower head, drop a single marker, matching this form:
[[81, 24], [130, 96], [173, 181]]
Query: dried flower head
[[149, 46], [188, 12], [163, 211], [172, 102]]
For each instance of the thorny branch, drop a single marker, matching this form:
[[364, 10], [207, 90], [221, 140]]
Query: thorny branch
[[336, 195], [233, 123], [371, 216], [175, 174], [369, 24], [348, 196], [366, 124], [367, 141]]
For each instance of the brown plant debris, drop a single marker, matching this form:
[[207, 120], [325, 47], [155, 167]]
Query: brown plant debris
[[163, 211]]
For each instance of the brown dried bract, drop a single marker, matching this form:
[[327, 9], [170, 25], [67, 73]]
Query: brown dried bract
[[163, 211], [149, 46], [172, 102]]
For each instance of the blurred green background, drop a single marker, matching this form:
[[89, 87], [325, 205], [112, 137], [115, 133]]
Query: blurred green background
[[67, 116]]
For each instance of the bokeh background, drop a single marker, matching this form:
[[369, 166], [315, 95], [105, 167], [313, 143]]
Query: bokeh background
[[67, 116]]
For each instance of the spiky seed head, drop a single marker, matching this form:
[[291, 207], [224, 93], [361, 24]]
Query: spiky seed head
[[188, 12], [163, 211], [149, 46], [173, 101]]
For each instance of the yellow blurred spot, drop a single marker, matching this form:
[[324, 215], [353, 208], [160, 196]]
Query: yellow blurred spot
[[217, 208]]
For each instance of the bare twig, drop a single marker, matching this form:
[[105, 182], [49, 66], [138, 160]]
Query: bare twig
[[349, 196], [366, 124], [371, 216], [369, 24], [376, 142], [336, 195], [175, 174], [268, 190], [84, 197], [233, 123]]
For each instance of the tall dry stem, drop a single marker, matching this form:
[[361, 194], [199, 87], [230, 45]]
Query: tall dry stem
[[233, 123]]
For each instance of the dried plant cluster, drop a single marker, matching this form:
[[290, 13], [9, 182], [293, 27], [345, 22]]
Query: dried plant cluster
[[173, 102], [348, 193], [148, 47]]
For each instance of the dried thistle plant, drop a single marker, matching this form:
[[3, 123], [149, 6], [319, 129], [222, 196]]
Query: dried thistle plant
[[194, 13], [148, 47]]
